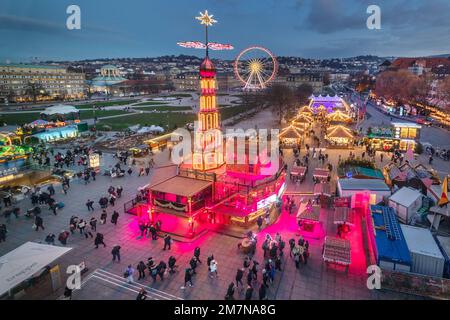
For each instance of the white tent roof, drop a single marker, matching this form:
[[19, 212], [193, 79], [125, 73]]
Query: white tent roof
[[406, 196], [60, 109], [420, 240], [20, 264]]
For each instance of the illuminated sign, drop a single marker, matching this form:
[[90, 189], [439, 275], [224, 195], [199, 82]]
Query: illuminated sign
[[94, 160], [266, 202]]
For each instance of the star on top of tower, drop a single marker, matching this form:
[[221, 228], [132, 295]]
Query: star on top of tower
[[206, 19]]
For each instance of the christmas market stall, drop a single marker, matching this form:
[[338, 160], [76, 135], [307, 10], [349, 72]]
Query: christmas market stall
[[339, 136], [337, 251], [321, 175], [290, 136], [308, 218], [298, 173]]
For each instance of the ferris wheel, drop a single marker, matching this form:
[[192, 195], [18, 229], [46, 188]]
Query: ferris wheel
[[255, 67]]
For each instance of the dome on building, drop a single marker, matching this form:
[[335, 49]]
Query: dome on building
[[109, 75]]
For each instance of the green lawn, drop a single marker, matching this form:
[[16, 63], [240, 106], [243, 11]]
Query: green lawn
[[147, 119], [179, 95], [24, 118], [151, 103], [89, 114], [19, 118], [232, 111], [164, 108], [105, 104]]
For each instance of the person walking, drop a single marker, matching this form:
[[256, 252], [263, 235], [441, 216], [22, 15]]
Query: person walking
[[167, 241], [3, 232], [112, 200], [90, 205], [114, 217], [39, 223], [249, 293], [51, 190], [254, 270], [93, 224], [65, 187], [187, 278], [161, 269], [259, 222], [230, 292], [172, 264], [193, 264], [129, 274], [99, 239], [63, 236], [262, 292], [141, 268], [103, 217], [147, 170], [116, 253], [197, 254], [142, 295], [213, 269], [239, 276]]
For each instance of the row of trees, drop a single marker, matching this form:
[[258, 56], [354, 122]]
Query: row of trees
[[402, 86], [282, 99]]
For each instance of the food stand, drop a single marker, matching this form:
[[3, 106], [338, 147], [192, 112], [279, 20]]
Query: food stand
[[298, 173], [308, 217], [322, 190], [344, 216], [337, 251], [321, 175]]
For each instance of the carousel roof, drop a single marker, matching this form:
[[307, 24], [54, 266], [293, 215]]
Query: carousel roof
[[339, 131], [291, 131], [339, 116]]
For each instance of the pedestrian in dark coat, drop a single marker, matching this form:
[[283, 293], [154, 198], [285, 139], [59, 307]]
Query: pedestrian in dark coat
[[262, 292], [114, 217], [141, 268], [116, 253], [167, 241], [249, 293], [39, 223], [230, 292], [99, 240], [187, 278], [197, 254], [239, 276]]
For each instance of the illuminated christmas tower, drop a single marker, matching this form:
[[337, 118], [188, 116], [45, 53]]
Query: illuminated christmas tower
[[208, 149]]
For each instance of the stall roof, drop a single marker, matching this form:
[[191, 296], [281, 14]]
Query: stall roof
[[363, 184], [23, 262], [181, 186], [392, 248], [406, 196], [421, 241]]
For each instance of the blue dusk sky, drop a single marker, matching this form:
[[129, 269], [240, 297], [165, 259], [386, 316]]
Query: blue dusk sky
[[36, 29]]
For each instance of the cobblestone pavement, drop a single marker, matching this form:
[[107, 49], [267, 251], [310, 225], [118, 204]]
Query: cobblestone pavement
[[104, 278]]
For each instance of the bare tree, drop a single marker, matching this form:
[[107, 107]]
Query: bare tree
[[281, 98], [401, 86]]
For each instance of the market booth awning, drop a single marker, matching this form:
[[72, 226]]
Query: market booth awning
[[337, 250], [339, 116], [23, 262], [343, 215], [291, 132], [339, 131], [322, 189], [305, 109]]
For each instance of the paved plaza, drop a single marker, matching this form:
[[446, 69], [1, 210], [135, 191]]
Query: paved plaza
[[104, 279]]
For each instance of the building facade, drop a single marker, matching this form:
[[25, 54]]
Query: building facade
[[294, 80], [22, 82]]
